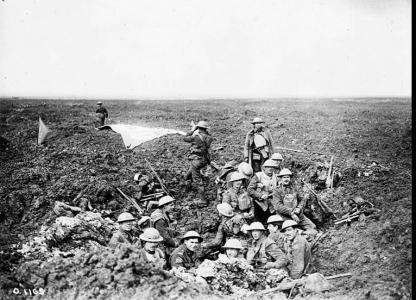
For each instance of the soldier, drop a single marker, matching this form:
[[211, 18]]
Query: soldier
[[273, 224], [223, 177], [201, 142], [231, 226], [161, 221], [258, 145], [238, 197], [263, 253], [289, 203], [150, 253], [233, 248], [297, 250], [261, 188], [184, 256], [145, 185], [277, 158], [123, 235], [101, 113]]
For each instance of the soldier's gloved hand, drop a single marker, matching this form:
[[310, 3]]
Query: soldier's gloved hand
[[296, 211], [295, 218], [264, 197]]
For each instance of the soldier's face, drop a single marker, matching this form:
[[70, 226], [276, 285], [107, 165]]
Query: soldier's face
[[286, 179], [272, 228], [236, 228], [256, 234], [231, 252], [127, 226], [191, 244], [169, 207], [290, 233], [237, 184], [268, 171], [257, 126], [150, 246]]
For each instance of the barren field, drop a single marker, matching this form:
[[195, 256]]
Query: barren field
[[371, 140]]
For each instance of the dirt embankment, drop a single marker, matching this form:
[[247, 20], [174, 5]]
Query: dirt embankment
[[376, 251]]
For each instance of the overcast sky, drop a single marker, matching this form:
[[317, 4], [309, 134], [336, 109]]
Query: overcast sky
[[205, 49]]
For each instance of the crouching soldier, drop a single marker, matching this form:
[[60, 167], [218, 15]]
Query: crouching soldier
[[231, 226], [274, 223], [278, 159], [263, 253], [289, 203], [297, 250], [238, 197], [150, 253], [124, 234], [162, 222], [261, 189], [185, 255]]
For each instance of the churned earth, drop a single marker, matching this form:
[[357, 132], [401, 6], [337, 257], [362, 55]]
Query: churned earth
[[371, 140]]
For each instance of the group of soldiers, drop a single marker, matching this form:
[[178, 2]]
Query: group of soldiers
[[261, 212]]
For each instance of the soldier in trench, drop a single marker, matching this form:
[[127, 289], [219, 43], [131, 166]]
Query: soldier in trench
[[200, 140]]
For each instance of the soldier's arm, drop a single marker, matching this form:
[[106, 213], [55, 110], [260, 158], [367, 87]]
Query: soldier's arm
[[189, 138], [280, 259], [301, 200], [246, 145], [252, 188], [269, 136], [105, 112], [278, 204], [176, 260], [298, 264], [218, 238], [163, 229]]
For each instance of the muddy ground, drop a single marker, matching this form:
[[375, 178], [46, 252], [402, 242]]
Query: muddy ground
[[377, 252]]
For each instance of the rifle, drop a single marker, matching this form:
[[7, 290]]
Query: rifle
[[321, 203], [328, 182], [164, 188], [131, 201]]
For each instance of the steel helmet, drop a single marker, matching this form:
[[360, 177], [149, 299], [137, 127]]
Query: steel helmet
[[289, 223], [192, 234], [277, 156], [125, 216], [99, 103], [225, 209], [285, 172], [233, 244], [236, 176], [143, 220], [270, 163], [245, 169], [202, 124], [274, 219], [165, 200], [257, 120], [256, 226], [151, 235], [137, 176]]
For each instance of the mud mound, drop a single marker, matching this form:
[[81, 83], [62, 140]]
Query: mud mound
[[101, 273]]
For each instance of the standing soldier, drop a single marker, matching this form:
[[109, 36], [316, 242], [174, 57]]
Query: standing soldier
[[161, 221], [101, 113], [124, 234], [289, 202], [200, 140], [185, 255], [263, 253], [258, 145], [297, 250], [238, 197], [261, 189], [150, 253]]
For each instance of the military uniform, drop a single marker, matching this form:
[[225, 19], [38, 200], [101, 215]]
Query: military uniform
[[183, 257], [298, 252], [265, 254], [157, 258], [287, 198], [258, 155], [162, 222], [199, 158], [121, 237], [240, 201], [101, 114], [279, 238], [261, 184]]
